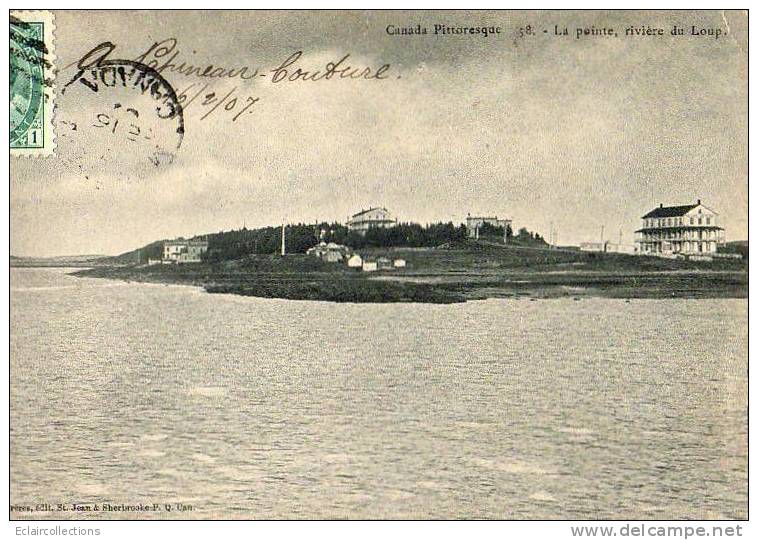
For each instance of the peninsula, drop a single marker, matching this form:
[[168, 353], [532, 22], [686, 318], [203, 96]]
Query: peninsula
[[453, 272]]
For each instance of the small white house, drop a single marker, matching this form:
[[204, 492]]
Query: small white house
[[607, 247], [184, 251], [399, 263], [592, 246], [610, 247], [355, 261], [383, 263], [330, 252], [369, 266]]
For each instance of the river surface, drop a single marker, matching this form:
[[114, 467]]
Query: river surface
[[236, 407]]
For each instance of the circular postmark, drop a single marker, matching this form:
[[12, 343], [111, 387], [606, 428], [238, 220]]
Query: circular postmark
[[27, 80], [120, 114]]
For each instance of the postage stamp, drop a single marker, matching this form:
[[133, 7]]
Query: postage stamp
[[32, 92]]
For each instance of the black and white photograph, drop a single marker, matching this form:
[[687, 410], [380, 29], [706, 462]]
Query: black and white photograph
[[379, 265]]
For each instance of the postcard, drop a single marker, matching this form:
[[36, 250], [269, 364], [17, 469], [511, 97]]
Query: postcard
[[378, 265]]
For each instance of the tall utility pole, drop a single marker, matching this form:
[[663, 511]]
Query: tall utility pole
[[552, 241], [284, 248], [620, 236], [602, 230]]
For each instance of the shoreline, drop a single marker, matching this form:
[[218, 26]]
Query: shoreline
[[437, 287]]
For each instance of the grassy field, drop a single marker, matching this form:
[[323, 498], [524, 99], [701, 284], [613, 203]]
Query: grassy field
[[454, 274]]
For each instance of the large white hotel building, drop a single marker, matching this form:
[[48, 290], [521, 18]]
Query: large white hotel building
[[687, 229]]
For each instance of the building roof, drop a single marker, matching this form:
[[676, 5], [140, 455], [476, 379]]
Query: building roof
[[681, 227], [671, 211], [331, 246], [369, 210], [185, 243]]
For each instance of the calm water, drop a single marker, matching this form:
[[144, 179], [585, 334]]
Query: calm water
[[254, 408]]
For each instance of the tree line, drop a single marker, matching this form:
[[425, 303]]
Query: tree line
[[236, 244]]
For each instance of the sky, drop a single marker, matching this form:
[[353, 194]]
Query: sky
[[582, 134]]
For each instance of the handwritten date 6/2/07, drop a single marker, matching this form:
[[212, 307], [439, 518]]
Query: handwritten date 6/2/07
[[216, 102]]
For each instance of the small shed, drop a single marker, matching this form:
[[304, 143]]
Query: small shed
[[369, 266], [399, 263], [383, 263], [355, 261], [332, 256]]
